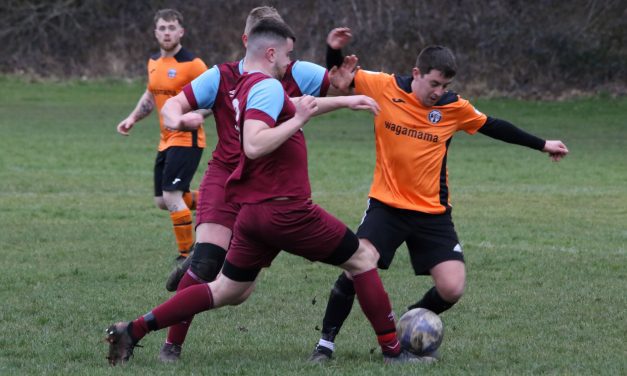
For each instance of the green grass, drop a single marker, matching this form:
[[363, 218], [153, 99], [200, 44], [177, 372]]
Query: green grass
[[81, 245]]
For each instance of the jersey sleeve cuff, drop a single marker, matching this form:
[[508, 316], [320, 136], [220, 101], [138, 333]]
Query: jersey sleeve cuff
[[255, 114]]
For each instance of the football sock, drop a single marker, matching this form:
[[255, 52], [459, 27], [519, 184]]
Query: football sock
[[339, 307], [182, 222], [326, 344], [376, 306], [182, 305], [433, 302], [190, 198], [205, 266], [178, 332]]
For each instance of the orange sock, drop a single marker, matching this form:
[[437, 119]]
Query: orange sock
[[182, 222], [190, 199]]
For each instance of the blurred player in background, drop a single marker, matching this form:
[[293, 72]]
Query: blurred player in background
[[178, 152]]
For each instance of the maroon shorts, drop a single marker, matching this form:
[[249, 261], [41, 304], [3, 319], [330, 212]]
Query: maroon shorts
[[211, 206], [299, 227]]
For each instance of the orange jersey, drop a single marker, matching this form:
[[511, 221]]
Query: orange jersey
[[412, 142], [166, 78]]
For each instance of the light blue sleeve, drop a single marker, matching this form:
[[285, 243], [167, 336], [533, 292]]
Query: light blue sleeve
[[266, 96], [308, 77], [205, 87]]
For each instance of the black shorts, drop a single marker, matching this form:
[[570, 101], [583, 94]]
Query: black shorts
[[431, 238], [175, 168]]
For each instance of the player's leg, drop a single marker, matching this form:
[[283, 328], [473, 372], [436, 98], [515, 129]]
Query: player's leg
[[384, 230], [435, 249], [215, 219], [158, 180], [124, 336], [305, 229], [178, 171], [449, 279]]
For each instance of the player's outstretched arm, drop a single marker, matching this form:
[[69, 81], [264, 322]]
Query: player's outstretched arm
[[144, 108], [260, 139], [178, 115], [354, 102], [556, 149]]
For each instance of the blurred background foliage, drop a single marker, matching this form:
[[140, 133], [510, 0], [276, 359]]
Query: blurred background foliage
[[534, 48]]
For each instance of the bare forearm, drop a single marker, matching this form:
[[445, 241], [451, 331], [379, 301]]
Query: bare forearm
[[171, 114], [177, 110], [144, 107], [329, 104]]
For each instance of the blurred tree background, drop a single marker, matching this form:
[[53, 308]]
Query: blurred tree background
[[533, 48]]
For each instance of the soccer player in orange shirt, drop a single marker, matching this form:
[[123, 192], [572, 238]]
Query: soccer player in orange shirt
[[409, 196], [179, 152]]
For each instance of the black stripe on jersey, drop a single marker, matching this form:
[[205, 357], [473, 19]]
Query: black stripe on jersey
[[195, 139], [156, 56], [443, 186]]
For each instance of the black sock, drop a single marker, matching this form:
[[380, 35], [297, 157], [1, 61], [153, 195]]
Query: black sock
[[338, 308], [433, 302]]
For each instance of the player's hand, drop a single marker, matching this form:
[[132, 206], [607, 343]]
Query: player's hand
[[556, 149], [363, 102], [125, 126], [306, 106], [339, 37], [342, 77]]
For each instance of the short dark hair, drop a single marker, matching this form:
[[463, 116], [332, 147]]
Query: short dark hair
[[272, 28], [169, 15], [259, 13], [437, 57]]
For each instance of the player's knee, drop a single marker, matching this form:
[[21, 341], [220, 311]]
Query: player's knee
[[369, 253], [451, 289], [207, 261], [364, 259], [160, 203]]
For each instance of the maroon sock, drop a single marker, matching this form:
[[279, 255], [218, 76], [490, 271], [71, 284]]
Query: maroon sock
[[183, 304], [376, 305], [178, 332]]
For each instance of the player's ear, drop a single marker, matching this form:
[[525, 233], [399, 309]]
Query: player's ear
[[182, 32], [271, 54], [415, 72], [245, 40]]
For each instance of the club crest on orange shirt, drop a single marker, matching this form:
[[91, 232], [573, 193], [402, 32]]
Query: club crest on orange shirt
[[171, 73], [435, 116]]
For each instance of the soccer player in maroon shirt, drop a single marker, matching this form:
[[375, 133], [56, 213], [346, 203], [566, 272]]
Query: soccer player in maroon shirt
[[272, 185], [215, 216]]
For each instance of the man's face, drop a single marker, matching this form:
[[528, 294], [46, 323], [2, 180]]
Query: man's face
[[430, 87], [168, 34], [282, 58]]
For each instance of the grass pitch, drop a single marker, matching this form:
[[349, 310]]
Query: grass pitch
[[81, 245]]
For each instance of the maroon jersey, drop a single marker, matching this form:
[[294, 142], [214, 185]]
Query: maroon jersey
[[212, 91], [283, 172]]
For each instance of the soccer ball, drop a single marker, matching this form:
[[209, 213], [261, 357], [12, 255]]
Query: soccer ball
[[420, 331]]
